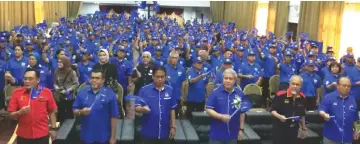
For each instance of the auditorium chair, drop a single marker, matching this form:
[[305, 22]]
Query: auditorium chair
[[254, 94], [274, 83], [201, 122]]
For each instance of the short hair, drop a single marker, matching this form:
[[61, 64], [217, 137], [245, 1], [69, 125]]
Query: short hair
[[37, 73], [158, 68], [173, 54], [335, 64], [98, 71], [343, 77], [230, 71], [146, 53], [21, 47], [296, 76], [59, 51]]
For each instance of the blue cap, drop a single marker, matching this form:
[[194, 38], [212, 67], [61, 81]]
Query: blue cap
[[177, 46], [329, 49], [358, 59], [263, 36], [227, 61], [158, 48], [205, 40], [331, 58], [121, 48], [349, 55], [288, 53], [243, 38], [198, 45], [311, 54], [310, 63], [198, 59], [154, 38], [251, 53], [2, 39], [272, 46], [28, 42], [313, 45], [240, 48]]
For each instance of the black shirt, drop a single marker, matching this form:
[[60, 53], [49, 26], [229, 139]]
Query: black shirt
[[287, 105], [146, 76]]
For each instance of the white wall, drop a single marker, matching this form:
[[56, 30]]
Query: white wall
[[88, 8], [294, 11]]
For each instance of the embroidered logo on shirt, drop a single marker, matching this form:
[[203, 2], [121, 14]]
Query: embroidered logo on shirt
[[286, 101], [335, 104], [22, 64], [167, 96], [179, 73], [315, 80]]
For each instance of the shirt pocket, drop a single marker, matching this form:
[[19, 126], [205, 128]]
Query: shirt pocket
[[41, 104]]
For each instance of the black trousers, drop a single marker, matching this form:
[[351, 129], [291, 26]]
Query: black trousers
[[284, 134], [283, 86], [146, 140], [65, 110], [311, 103], [265, 90], [194, 106], [2, 99], [43, 140], [358, 105], [178, 109]]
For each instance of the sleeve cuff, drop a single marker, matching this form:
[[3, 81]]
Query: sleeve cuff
[[174, 106], [209, 107]]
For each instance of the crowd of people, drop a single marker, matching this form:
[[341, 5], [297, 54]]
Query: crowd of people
[[101, 49]]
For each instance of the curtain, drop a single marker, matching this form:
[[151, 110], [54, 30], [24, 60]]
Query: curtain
[[73, 8], [330, 21], [278, 17], [243, 13], [39, 11], [54, 10], [15, 13], [309, 18], [217, 9], [350, 29]]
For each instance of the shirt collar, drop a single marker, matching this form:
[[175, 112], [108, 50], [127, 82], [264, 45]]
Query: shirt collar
[[222, 88], [288, 93], [91, 90], [337, 93], [153, 87]]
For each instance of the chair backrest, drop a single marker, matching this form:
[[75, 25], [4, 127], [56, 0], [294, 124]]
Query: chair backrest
[[119, 95], [274, 83], [8, 91], [254, 94], [252, 89]]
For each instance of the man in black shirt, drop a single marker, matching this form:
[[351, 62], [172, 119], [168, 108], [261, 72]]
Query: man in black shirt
[[142, 74]]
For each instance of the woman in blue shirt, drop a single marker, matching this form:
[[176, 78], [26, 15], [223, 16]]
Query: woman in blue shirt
[[34, 60], [330, 81]]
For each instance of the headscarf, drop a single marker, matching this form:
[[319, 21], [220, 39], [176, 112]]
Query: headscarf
[[37, 57], [107, 55], [62, 72]]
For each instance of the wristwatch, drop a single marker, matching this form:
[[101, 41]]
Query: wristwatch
[[53, 129], [173, 128]]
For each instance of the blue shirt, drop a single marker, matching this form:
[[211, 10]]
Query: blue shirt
[[17, 68], [221, 101], [328, 80], [345, 112], [286, 71], [85, 71], [324, 72], [2, 73], [156, 123], [45, 75], [96, 127], [197, 90], [175, 76], [250, 69], [124, 70], [216, 62], [354, 75], [160, 61], [269, 66], [310, 83]]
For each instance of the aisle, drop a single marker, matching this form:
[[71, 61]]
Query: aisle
[[7, 129]]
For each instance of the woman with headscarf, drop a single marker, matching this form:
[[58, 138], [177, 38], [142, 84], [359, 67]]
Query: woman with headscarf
[[65, 82], [45, 75], [108, 69]]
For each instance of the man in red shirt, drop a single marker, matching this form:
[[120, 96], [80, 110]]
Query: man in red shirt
[[31, 105]]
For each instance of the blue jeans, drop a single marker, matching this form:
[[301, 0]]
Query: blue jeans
[[232, 141]]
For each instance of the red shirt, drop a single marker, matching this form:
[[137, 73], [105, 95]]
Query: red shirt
[[34, 124]]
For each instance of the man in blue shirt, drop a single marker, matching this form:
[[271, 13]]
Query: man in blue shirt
[[339, 110], [250, 72], [225, 129], [287, 69], [354, 75], [311, 85], [227, 63], [198, 80], [176, 74], [16, 67], [98, 107], [85, 67], [124, 68], [158, 108]]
